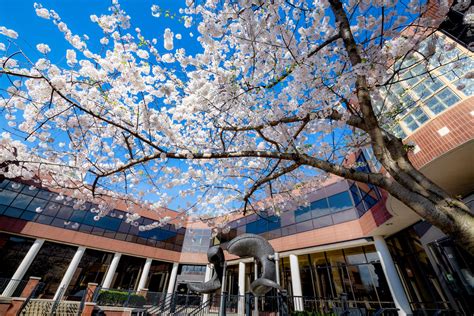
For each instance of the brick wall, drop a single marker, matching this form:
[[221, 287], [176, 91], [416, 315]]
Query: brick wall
[[459, 121]]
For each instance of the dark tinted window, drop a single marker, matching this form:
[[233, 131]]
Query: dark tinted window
[[340, 201]]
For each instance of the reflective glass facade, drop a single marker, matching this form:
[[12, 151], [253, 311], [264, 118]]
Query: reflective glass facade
[[416, 96], [128, 273], [327, 211], [355, 271], [158, 276], [197, 240], [50, 264], [333, 209], [29, 203], [91, 269], [421, 284], [12, 251]]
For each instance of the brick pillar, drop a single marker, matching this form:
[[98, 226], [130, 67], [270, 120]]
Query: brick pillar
[[88, 304], [30, 286], [17, 302]]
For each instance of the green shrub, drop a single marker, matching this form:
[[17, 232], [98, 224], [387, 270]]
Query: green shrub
[[119, 298]]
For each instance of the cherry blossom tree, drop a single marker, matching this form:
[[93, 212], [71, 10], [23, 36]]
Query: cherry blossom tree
[[279, 94]]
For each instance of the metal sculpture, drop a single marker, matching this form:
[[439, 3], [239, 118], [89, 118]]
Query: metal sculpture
[[250, 245], [246, 245], [215, 255]]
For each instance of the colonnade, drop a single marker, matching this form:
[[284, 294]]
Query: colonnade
[[72, 267], [396, 288]]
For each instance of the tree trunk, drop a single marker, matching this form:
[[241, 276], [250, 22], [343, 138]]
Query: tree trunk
[[433, 204]]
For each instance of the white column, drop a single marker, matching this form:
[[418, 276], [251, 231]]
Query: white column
[[23, 267], [109, 276], [174, 274], [296, 282], [241, 304], [396, 288], [255, 277], [207, 277], [71, 269], [277, 267], [145, 272]]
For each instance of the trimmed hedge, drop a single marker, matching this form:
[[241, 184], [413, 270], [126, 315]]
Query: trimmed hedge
[[119, 298]]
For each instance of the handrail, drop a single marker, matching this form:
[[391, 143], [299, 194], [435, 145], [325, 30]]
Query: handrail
[[36, 289], [186, 304], [56, 302], [201, 308], [380, 311], [167, 302], [83, 300]]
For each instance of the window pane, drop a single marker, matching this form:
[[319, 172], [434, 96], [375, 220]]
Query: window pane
[[65, 212], [465, 85], [302, 214], [43, 219], [13, 212], [340, 201], [7, 196], [322, 221], [442, 100], [35, 203], [354, 255], [320, 208], [345, 216], [304, 226]]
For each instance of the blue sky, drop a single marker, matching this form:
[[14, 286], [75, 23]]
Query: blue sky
[[20, 16]]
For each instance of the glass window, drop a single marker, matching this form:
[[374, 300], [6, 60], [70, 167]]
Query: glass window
[[43, 219], [288, 230], [345, 216], [12, 251], [30, 190], [85, 228], [22, 201], [442, 100], [59, 222], [426, 88], [3, 183], [371, 254], [399, 132], [465, 85], [91, 269], [109, 223], [77, 216], [413, 76], [37, 203], [50, 264], [355, 255], [13, 212], [98, 231], [340, 201], [52, 209], [65, 212], [355, 194], [323, 221], [15, 186], [44, 194], [29, 216], [302, 214], [7, 196], [415, 119], [320, 208], [304, 226]]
